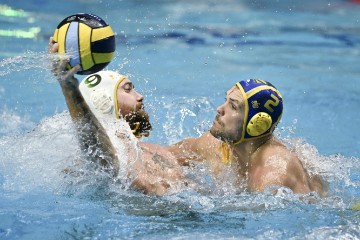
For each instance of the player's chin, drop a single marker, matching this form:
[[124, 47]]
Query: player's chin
[[215, 131], [218, 133], [139, 123]]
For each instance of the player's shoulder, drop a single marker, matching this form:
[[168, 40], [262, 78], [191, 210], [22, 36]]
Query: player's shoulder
[[276, 151]]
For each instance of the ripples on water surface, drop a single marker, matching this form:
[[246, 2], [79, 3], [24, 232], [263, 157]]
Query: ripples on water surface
[[183, 56]]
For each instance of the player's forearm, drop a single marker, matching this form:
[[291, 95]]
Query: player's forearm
[[187, 149], [74, 100], [91, 134]]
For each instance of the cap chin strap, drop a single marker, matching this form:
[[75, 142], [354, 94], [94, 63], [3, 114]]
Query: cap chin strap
[[117, 115], [226, 153], [238, 142], [245, 114], [137, 131]]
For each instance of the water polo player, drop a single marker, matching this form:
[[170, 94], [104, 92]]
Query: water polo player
[[242, 139], [99, 106], [111, 95]]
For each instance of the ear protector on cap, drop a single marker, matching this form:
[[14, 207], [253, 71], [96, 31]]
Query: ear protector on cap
[[258, 124], [263, 108]]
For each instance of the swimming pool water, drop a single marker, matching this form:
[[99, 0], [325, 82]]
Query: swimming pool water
[[183, 55]]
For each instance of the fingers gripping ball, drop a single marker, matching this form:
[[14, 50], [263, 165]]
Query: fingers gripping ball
[[87, 40]]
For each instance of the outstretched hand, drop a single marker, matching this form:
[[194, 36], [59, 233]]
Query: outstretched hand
[[58, 67]]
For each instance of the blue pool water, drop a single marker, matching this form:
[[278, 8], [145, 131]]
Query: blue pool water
[[183, 55]]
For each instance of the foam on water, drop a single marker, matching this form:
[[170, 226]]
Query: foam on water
[[37, 158], [11, 123]]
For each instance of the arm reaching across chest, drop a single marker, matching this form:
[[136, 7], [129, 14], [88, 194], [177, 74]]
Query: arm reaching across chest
[[202, 148]]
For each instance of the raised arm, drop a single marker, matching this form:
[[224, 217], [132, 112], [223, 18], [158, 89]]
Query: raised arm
[[69, 84], [91, 134], [150, 168]]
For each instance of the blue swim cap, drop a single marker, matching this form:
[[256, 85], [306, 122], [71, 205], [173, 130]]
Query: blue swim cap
[[263, 108]]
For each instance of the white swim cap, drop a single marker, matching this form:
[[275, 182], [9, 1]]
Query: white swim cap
[[99, 92]]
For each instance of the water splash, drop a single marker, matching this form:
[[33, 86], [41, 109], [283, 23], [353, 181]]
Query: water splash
[[48, 157], [26, 61], [184, 112], [12, 124]]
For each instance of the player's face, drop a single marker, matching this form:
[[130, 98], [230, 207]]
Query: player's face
[[228, 123], [129, 100], [131, 108]]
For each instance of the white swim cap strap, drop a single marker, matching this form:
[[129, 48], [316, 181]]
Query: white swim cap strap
[[122, 77]]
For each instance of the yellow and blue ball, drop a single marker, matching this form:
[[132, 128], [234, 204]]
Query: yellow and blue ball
[[87, 40]]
